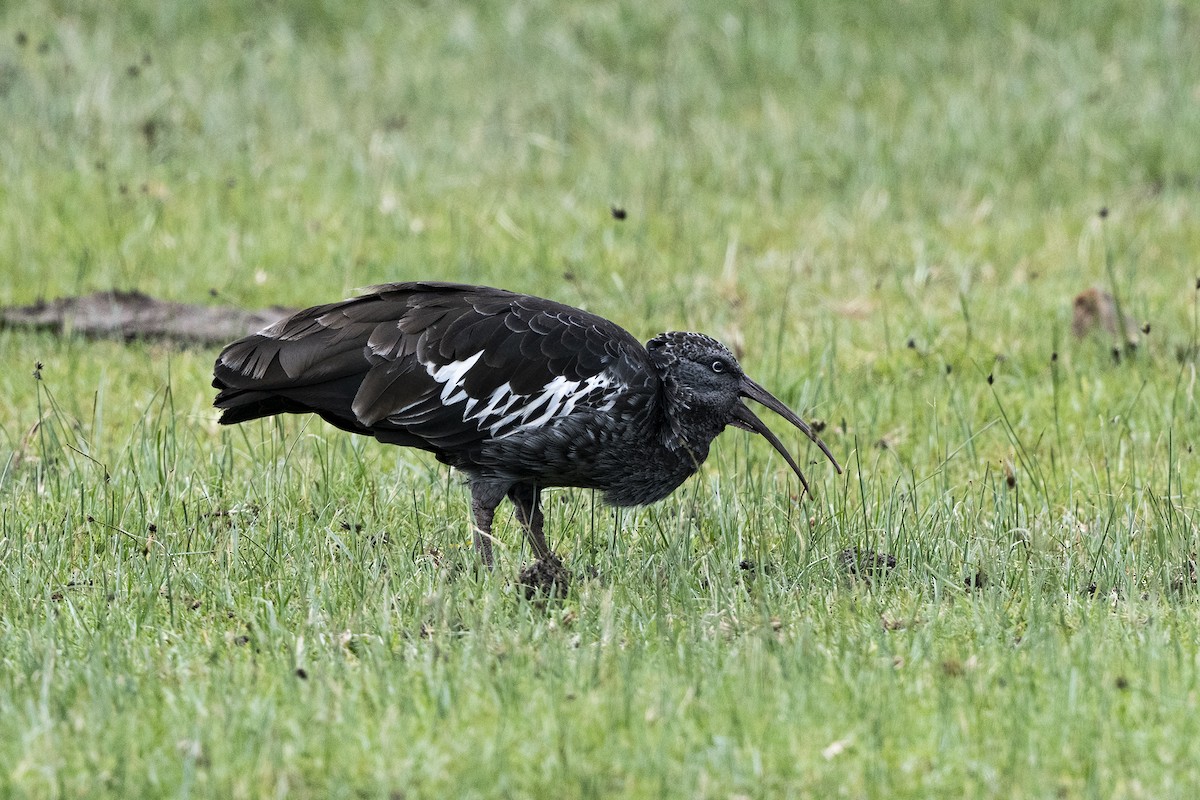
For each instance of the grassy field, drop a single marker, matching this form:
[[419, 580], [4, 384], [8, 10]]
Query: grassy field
[[886, 207]]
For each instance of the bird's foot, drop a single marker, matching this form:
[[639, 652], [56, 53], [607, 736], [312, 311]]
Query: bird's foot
[[546, 577]]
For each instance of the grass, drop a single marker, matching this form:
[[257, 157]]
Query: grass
[[887, 208]]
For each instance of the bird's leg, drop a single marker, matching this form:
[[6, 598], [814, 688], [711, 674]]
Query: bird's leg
[[484, 499], [482, 532], [545, 577], [526, 497]]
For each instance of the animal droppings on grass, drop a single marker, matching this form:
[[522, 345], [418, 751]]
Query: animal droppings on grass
[[1054, 357], [301, 673], [544, 578], [619, 213], [133, 70], [866, 563], [1121, 682], [1146, 329], [1103, 212], [991, 379], [750, 570]]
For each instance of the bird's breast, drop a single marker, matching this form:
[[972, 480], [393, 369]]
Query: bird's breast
[[622, 453]]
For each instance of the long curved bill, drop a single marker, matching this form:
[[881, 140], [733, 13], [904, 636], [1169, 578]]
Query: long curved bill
[[745, 419]]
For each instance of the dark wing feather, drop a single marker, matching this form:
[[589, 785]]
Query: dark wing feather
[[433, 365]]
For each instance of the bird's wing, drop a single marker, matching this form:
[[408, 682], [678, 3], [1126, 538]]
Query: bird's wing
[[437, 365]]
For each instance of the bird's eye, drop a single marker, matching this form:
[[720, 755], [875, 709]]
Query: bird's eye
[[718, 366]]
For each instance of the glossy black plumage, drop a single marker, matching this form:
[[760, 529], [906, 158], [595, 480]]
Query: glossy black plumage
[[517, 392]]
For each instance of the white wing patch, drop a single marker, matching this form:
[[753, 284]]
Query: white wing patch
[[504, 412], [452, 376], [557, 399]]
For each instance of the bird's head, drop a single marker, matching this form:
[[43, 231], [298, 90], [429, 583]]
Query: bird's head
[[704, 387]]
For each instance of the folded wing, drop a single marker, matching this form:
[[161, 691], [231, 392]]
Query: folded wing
[[439, 366]]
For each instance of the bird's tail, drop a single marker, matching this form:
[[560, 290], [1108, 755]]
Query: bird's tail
[[253, 382], [241, 405]]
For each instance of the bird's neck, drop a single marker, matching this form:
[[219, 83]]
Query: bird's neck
[[688, 428]]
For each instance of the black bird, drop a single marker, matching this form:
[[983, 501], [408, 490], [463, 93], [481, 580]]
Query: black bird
[[517, 392]]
